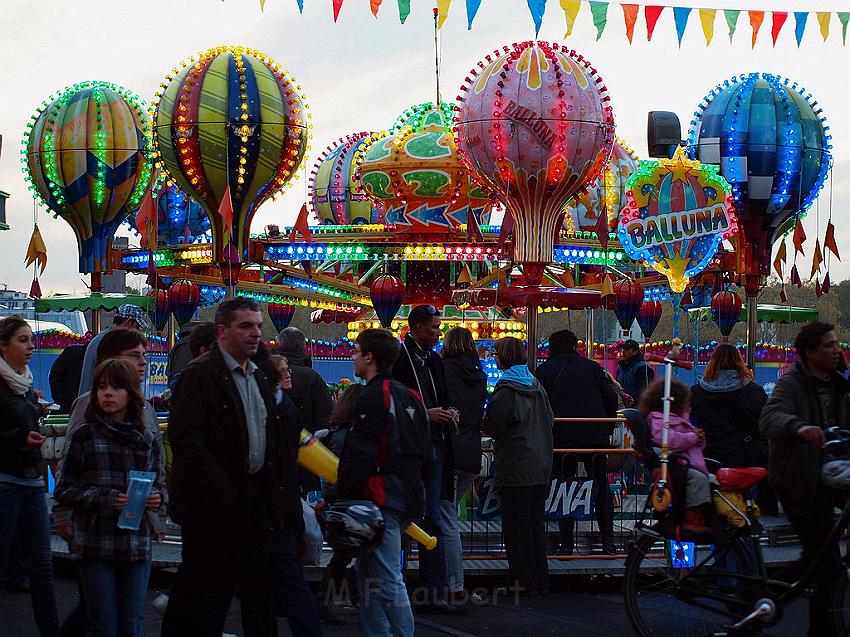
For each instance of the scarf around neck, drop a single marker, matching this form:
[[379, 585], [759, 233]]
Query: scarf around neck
[[20, 384]]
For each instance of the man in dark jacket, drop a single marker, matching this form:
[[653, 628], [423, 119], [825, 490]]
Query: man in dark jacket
[[233, 483], [309, 390], [65, 377], [577, 388], [810, 397], [383, 460], [181, 354], [633, 373], [420, 369]]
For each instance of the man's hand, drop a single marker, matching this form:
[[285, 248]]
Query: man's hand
[[812, 434], [153, 501], [440, 416], [65, 530], [34, 440], [120, 501]]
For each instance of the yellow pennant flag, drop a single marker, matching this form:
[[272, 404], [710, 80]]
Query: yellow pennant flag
[[443, 11], [706, 16], [823, 21], [817, 259], [36, 250], [607, 288], [262, 5], [781, 257], [570, 8]]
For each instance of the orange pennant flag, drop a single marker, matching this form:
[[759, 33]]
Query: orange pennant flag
[[225, 211], [630, 14], [302, 225], [607, 288], [146, 222], [756, 18], [779, 18], [799, 238], [375, 5], [36, 250], [781, 258], [829, 240], [817, 259]]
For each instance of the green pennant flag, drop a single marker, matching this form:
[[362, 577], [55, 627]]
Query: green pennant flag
[[731, 16], [843, 17], [403, 10], [599, 10]]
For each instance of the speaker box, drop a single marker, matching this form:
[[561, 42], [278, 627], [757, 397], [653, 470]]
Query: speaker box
[[663, 133]]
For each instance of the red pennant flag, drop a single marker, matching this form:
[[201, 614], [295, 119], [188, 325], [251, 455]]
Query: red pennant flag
[[829, 240], [374, 5], [225, 210], [337, 7], [601, 229], [783, 296], [652, 14], [781, 259], [630, 13], [779, 18], [506, 229], [825, 285], [35, 289], [146, 222], [308, 268], [818, 289], [795, 277], [301, 225], [473, 231], [799, 238], [687, 297]]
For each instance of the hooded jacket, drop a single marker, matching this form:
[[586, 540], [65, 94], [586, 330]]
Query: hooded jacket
[[466, 384], [728, 411], [634, 376], [682, 437], [795, 465], [18, 416], [520, 421]]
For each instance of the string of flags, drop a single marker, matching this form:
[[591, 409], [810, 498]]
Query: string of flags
[[599, 14]]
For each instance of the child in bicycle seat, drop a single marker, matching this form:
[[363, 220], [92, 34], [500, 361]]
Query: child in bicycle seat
[[686, 440]]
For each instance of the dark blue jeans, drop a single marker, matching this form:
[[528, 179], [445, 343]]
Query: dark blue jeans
[[23, 519], [293, 596], [432, 564], [115, 596]]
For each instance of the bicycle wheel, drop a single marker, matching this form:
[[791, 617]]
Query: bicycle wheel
[[689, 595], [840, 609]]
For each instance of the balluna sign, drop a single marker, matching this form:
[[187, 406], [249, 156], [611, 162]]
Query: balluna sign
[[572, 497], [678, 213]]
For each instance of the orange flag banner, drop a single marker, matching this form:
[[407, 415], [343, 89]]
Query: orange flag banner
[[36, 250], [756, 18], [375, 5], [302, 225], [817, 259], [781, 258], [630, 13], [225, 210]]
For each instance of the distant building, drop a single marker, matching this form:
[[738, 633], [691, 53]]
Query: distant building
[[116, 281], [13, 302], [3, 197]]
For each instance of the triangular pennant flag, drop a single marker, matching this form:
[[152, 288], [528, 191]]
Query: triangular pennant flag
[[471, 10], [829, 240], [465, 277], [35, 289], [442, 11], [225, 211], [570, 8], [301, 226], [817, 259], [779, 18], [262, 5], [652, 13], [818, 290], [599, 11], [783, 295], [800, 18], [756, 18], [843, 18], [300, 6], [568, 279], [823, 20], [308, 268], [707, 18], [374, 5], [825, 285], [601, 230], [36, 250], [781, 258], [731, 16], [403, 10], [503, 279], [799, 238], [795, 277], [630, 12], [607, 288], [537, 9], [506, 229], [680, 17], [687, 298], [473, 231], [146, 222]]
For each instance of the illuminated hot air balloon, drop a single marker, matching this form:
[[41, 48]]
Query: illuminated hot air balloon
[[648, 316], [87, 157], [416, 173], [180, 219], [387, 294], [628, 297], [231, 121], [184, 297], [726, 310], [160, 310], [336, 194], [607, 193], [281, 315], [536, 127]]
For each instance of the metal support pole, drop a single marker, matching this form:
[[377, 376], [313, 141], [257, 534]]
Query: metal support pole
[[96, 287], [588, 314], [531, 312], [752, 326]]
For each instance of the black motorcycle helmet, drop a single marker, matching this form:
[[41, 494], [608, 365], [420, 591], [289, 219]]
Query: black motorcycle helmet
[[353, 526]]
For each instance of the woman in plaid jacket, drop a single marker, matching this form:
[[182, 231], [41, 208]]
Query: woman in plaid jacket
[[114, 563]]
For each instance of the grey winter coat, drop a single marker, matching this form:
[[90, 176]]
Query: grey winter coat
[[520, 421], [795, 464]]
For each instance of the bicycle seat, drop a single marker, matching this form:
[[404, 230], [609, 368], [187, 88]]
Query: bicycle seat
[[740, 479]]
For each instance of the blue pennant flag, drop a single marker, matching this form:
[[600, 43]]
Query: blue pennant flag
[[537, 8]]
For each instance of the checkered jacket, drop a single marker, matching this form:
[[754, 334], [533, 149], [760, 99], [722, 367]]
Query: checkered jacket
[[98, 460]]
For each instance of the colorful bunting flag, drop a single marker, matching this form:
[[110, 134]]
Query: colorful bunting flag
[[756, 18], [262, 5], [783, 295], [817, 259], [680, 17], [337, 7], [570, 9], [36, 251], [652, 13], [607, 288], [843, 18], [823, 21], [825, 285], [731, 16], [302, 225], [599, 11], [506, 229], [795, 277], [537, 8], [225, 211], [374, 5], [829, 240], [403, 10], [781, 258], [800, 18], [601, 230], [799, 238], [707, 17], [300, 6], [146, 222], [630, 12], [818, 289], [471, 10], [779, 18], [443, 11]]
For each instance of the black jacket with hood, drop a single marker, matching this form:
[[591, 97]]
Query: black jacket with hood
[[466, 384], [19, 415]]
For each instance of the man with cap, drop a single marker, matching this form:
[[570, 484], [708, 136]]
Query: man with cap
[[633, 373], [127, 317]]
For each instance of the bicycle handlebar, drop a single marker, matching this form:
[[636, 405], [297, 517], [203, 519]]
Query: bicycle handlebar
[[655, 358]]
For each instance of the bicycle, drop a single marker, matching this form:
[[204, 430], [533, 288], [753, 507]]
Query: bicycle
[[716, 587]]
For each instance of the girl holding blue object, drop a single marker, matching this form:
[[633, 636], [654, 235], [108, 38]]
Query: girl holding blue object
[[114, 562]]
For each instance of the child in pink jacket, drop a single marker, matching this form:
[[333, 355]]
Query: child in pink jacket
[[684, 439]]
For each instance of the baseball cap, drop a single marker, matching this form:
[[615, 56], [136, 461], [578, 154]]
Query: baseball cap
[[629, 343], [134, 312]]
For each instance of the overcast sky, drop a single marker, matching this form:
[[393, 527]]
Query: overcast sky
[[360, 73]]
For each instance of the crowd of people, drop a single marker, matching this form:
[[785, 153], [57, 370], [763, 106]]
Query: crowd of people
[[409, 445]]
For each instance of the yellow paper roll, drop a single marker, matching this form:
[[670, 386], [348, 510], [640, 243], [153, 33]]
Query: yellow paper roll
[[318, 459]]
